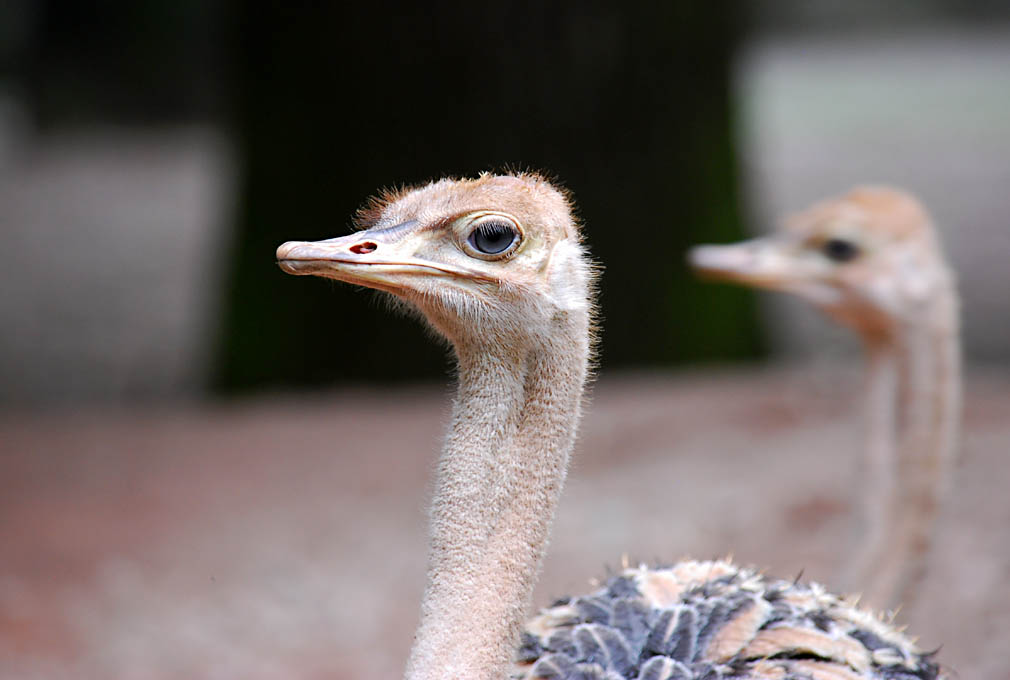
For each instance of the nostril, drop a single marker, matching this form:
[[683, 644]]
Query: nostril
[[362, 248]]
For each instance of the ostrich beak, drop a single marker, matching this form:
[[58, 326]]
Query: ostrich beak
[[758, 262], [382, 258]]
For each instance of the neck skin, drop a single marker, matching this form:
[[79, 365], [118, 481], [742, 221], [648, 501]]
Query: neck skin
[[498, 484], [912, 416]]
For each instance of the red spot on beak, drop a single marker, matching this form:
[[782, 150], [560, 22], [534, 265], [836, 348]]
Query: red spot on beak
[[362, 248]]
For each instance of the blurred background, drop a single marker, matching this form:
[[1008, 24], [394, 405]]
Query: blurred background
[[211, 469]]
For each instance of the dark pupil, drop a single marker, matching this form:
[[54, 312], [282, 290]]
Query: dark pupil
[[840, 250], [492, 237]]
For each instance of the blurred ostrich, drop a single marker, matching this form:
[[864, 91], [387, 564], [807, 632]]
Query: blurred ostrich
[[496, 266], [871, 260]]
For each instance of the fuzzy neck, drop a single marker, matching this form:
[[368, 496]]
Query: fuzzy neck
[[913, 411], [498, 484]]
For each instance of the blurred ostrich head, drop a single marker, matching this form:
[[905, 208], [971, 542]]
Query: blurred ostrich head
[[869, 258]]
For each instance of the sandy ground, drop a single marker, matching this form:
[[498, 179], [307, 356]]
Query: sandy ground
[[283, 537]]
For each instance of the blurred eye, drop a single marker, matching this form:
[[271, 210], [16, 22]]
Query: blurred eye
[[840, 250], [493, 237]]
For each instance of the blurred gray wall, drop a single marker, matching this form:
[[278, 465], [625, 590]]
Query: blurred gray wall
[[83, 212]]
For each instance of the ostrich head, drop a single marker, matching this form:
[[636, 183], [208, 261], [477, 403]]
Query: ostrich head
[[869, 258], [493, 259]]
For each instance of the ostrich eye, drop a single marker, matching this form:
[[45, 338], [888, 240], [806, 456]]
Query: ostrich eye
[[840, 250], [493, 237]]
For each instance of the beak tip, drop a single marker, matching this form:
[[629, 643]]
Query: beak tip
[[291, 257], [284, 250], [706, 258]]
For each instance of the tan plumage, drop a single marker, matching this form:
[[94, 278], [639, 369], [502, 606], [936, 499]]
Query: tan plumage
[[871, 260], [496, 266]]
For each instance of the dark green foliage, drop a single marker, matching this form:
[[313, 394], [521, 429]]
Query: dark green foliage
[[627, 103]]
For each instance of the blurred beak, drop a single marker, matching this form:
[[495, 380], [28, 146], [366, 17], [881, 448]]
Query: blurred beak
[[758, 262], [377, 258]]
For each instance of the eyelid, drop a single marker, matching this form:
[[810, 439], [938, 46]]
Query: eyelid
[[818, 241], [475, 219]]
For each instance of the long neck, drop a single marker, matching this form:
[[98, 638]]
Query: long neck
[[498, 484], [913, 409]]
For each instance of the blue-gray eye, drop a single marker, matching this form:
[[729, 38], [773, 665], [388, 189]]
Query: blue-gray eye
[[493, 237], [840, 250]]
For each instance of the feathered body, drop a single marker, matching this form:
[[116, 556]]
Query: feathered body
[[714, 620]]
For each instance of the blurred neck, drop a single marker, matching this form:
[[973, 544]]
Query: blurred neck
[[912, 420], [498, 484]]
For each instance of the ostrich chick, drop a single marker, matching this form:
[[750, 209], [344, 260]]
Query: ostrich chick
[[496, 266], [871, 260]]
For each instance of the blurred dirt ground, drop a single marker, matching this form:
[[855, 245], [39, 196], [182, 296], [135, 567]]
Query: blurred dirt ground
[[283, 537]]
